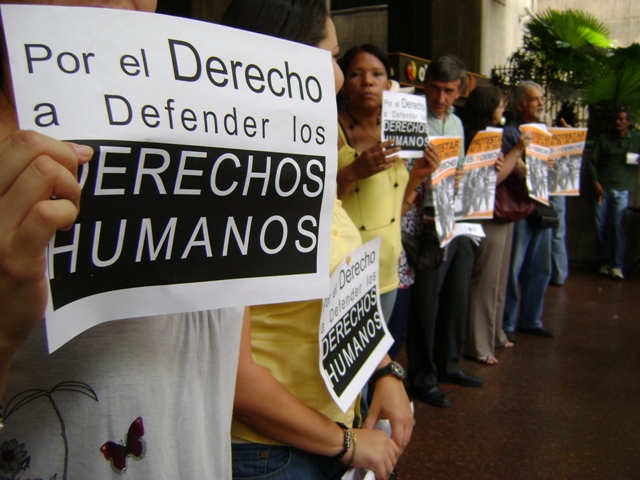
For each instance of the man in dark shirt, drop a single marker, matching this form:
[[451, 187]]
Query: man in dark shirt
[[530, 268], [613, 178]]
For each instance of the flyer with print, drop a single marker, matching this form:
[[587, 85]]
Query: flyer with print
[[537, 155], [213, 177], [567, 146], [404, 120], [443, 184], [476, 192], [353, 334]]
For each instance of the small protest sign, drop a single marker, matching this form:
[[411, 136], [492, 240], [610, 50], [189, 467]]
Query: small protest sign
[[404, 120], [476, 192], [537, 155], [353, 334], [567, 146], [443, 182]]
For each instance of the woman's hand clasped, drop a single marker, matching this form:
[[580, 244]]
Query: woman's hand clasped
[[375, 451]]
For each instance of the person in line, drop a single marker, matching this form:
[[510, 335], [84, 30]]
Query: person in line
[[613, 178], [373, 182], [484, 108], [167, 380], [559, 256], [372, 179], [439, 297], [286, 425], [530, 266]]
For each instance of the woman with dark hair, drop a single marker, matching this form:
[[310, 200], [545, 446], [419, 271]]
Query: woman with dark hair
[[374, 183], [300, 21], [484, 108], [286, 424]]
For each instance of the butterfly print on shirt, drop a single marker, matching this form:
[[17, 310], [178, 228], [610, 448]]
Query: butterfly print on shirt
[[133, 445]]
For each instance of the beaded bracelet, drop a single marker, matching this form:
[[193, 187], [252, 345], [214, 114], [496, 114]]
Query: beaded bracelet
[[353, 452], [348, 436]]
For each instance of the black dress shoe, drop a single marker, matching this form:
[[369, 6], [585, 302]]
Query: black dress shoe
[[462, 378], [431, 395], [541, 331], [511, 336]]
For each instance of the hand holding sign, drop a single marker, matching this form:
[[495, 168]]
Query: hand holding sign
[[197, 167], [427, 164], [34, 169], [375, 159]]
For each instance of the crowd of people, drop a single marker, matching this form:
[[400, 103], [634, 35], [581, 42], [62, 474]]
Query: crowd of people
[[215, 394]]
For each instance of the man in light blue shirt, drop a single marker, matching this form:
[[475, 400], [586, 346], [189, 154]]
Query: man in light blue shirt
[[440, 297]]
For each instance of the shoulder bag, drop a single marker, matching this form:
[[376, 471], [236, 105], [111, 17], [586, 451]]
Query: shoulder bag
[[512, 200]]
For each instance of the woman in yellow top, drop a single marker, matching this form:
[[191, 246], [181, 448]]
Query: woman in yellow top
[[373, 182], [285, 421]]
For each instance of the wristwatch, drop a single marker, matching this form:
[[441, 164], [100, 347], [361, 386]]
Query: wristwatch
[[392, 368]]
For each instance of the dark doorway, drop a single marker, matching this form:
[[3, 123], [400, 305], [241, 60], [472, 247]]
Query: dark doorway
[[177, 9]]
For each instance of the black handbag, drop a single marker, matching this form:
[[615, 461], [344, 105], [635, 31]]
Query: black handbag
[[543, 216], [423, 250]]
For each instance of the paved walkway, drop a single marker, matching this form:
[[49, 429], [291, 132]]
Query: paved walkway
[[562, 408]]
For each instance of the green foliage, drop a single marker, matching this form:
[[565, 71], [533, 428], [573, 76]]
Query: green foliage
[[570, 53], [615, 84]]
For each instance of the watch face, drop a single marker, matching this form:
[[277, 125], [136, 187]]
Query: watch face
[[397, 370]]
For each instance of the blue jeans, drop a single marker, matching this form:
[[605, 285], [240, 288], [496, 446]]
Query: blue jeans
[[610, 227], [559, 258], [261, 462], [531, 268], [387, 301]]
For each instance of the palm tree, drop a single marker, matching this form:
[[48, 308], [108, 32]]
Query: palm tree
[[570, 53], [559, 50], [614, 84]]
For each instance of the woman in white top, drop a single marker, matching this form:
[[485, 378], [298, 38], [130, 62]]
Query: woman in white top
[[152, 396]]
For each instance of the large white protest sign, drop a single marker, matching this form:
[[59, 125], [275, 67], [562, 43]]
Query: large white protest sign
[[213, 177], [404, 120], [353, 334]]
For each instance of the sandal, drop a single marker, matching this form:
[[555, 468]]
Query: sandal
[[488, 360]]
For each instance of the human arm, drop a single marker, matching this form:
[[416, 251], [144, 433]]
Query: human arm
[[500, 162], [33, 170], [592, 168], [390, 401], [459, 175], [513, 162], [373, 160], [264, 404], [423, 167]]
